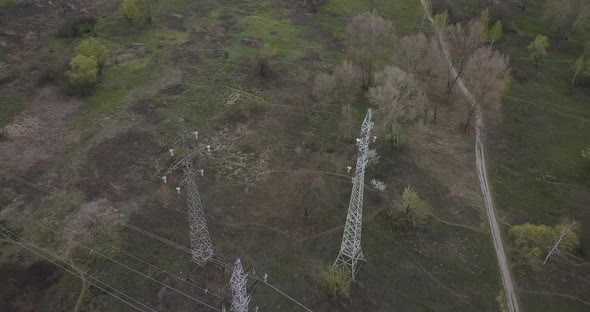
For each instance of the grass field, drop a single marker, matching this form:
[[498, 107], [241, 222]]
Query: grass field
[[195, 62]]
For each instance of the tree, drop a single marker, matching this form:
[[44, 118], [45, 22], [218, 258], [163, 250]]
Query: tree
[[440, 21], [536, 244], [496, 32], [91, 47], [462, 43], [409, 211], [83, 71], [493, 33], [138, 11], [423, 57], [487, 73], [566, 15], [582, 63], [531, 241], [485, 18], [341, 87], [538, 48], [398, 96], [566, 239], [365, 34]]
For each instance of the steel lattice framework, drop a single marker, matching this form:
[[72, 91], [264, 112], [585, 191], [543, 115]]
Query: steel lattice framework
[[240, 298], [350, 249], [201, 249]]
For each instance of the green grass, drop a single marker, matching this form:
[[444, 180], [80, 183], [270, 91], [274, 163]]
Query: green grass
[[13, 103], [406, 16], [276, 32], [544, 127], [548, 302], [6, 4]]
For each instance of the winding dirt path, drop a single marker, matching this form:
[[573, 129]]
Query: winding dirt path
[[480, 163]]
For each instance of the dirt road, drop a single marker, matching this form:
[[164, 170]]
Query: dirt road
[[480, 163]]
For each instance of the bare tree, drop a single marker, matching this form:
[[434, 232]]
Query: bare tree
[[566, 15], [582, 64], [566, 238], [398, 96], [349, 82], [423, 57], [487, 73], [365, 35], [323, 86], [463, 43]]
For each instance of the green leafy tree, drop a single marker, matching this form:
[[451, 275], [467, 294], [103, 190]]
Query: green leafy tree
[[138, 11], [409, 211], [531, 241], [83, 72], [535, 244], [496, 32], [538, 48], [91, 47], [582, 63], [440, 21], [485, 19]]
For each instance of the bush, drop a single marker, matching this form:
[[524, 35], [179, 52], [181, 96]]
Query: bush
[[409, 211], [264, 56], [83, 72], [91, 47], [77, 27], [337, 281], [138, 11], [398, 140]]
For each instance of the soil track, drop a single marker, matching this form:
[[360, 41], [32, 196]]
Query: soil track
[[481, 166]]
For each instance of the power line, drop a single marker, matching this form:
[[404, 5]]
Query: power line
[[76, 274], [212, 260], [130, 255], [138, 272]]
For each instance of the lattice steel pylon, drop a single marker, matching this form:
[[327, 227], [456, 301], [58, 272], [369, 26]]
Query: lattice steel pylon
[[350, 249], [201, 249], [239, 279]]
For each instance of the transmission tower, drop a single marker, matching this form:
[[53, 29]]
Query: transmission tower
[[201, 247], [239, 279], [350, 249]]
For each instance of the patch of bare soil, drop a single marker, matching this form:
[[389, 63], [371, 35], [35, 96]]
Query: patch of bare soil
[[23, 288], [38, 133], [118, 165], [81, 222]]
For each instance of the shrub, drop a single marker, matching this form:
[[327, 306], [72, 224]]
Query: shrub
[[138, 11], [76, 27], [337, 281], [409, 211], [323, 85], [264, 56], [83, 72], [91, 47], [398, 140]]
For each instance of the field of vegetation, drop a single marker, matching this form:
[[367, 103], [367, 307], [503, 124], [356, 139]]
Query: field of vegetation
[[93, 95]]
